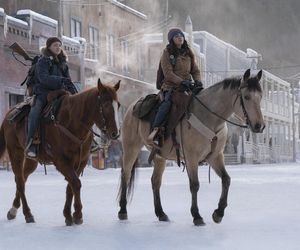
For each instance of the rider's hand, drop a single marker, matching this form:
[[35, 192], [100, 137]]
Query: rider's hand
[[198, 84], [186, 83]]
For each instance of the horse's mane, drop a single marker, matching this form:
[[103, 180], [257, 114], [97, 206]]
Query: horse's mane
[[235, 82], [107, 90]]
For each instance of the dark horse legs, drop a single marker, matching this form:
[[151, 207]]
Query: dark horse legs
[[219, 167], [77, 218], [159, 167], [194, 188], [73, 188], [219, 212]]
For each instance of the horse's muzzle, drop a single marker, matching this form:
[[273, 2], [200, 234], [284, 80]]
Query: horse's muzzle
[[258, 128]]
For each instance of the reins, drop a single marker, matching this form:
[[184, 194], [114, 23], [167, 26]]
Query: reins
[[222, 118]]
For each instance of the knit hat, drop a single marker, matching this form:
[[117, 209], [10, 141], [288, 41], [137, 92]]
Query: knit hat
[[51, 40], [174, 31]]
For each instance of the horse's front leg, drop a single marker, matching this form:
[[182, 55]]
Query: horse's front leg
[[219, 167], [159, 167], [194, 187], [75, 186], [29, 167], [67, 208]]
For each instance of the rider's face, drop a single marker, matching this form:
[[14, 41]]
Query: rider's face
[[55, 48], [178, 40]]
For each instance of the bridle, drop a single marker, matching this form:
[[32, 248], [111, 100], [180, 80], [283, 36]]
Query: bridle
[[224, 119], [99, 105]]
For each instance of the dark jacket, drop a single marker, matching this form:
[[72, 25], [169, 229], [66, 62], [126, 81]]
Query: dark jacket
[[51, 73], [183, 69]]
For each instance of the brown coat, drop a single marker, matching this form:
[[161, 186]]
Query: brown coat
[[181, 71]]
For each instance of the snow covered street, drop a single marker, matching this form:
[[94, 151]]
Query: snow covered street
[[263, 211]]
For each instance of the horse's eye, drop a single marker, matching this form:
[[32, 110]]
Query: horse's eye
[[247, 97]]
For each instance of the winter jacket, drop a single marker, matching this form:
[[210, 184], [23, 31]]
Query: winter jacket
[[50, 73], [182, 70]]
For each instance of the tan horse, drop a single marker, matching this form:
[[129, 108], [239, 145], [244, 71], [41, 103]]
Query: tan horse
[[68, 144], [241, 97]]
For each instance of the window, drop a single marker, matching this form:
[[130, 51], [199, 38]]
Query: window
[[75, 28], [110, 50], [14, 99], [94, 42], [124, 49]]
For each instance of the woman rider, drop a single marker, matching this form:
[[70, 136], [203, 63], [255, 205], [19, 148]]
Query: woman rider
[[179, 68]]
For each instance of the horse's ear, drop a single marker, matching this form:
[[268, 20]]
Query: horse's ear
[[117, 85], [100, 85], [259, 75], [246, 75]]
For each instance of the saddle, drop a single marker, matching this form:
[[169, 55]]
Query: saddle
[[21, 110], [146, 108]]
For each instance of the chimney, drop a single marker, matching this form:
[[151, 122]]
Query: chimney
[[189, 30]]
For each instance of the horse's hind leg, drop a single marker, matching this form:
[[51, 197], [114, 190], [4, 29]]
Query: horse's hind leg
[[130, 155], [219, 167], [16, 156], [29, 167], [194, 187], [159, 167]]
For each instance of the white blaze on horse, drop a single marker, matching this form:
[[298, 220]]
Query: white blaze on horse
[[202, 135]]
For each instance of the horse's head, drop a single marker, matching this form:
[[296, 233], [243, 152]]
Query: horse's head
[[248, 108], [106, 118]]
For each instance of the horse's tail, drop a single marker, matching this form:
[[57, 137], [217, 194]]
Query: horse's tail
[[2, 141], [130, 187]]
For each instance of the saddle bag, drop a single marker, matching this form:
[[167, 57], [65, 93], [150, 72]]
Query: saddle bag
[[145, 105], [18, 112]]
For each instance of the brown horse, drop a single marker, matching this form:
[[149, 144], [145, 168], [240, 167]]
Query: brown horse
[[202, 135], [68, 143]]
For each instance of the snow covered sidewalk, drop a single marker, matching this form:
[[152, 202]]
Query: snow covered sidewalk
[[263, 211]]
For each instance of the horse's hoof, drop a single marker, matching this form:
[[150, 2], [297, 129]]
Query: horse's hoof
[[163, 218], [69, 222], [12, 213], [199, 222], [78, 221], [123, 216], [30, 219], [10, 216], [216, 217]]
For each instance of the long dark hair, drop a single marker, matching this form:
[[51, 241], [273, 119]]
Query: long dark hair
[[185, 49]]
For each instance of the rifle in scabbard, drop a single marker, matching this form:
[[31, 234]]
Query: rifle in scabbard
[[17, 48]]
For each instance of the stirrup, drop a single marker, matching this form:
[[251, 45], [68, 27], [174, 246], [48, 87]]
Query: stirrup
[[30, 150], [151, 138]]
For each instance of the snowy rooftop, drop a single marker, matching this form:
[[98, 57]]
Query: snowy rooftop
[[37, 16], [70, 40], [214, 38], [16, 20]]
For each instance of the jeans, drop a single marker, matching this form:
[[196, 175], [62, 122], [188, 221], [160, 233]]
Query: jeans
[[34, 116], [163, 109]]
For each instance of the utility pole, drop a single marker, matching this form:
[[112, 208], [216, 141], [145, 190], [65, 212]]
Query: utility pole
[[60, 14], [166, 17], [293, 123]]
